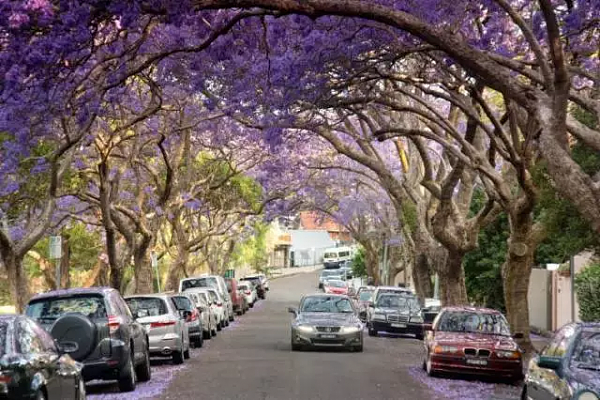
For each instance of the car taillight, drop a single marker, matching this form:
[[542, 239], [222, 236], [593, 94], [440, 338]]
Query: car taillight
[[114, 323], [160, 324], [248, 292], [5, 379], [193, 316]]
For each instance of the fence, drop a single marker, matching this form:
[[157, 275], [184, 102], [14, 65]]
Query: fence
[[307, 257]]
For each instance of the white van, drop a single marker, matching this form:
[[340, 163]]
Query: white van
[[335, 256], [210, 281]]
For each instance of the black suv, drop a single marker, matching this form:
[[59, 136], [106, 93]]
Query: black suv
[[96, 328]]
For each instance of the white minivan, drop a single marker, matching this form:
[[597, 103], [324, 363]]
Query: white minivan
[[210, 281], [335, 256]]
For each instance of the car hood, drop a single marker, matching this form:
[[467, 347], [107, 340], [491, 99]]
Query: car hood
[[385, 310], [585, 378], [327, 319], [475, 339]]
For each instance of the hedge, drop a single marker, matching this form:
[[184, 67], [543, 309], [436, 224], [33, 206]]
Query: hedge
[[587, 287]]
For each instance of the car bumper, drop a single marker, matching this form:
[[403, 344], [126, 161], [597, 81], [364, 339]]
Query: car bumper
[[397, 327], [318, 339], [507, 369], [331, 265], [106, 368], [165, 344]]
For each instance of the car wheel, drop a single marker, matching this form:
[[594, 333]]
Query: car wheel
[[186, 354], [252, 305], [372, 332], [419, 336], [127, 377], [81, 393], [524, 395], [226, 322], [231, 318], [296, 347], [178, 357], [359, 348], [220, 326], [207, 334], [199, 341], [143, 371], [239, 313]]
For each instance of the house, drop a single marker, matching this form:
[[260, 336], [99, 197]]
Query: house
[[314, 221], [308, 247]]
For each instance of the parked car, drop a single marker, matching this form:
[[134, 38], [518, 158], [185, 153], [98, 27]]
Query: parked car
[[218, 307], [568, 367], [326, 320], [260, 289], [237, 300], [97, 329], [326, 273], [264, 281], [33, 366], [186, 305], [208, 311], [363, 299], [396, 313], [346, 268], [167, 333], [249, 292], [216, 282], [335, 287], [473, 341]]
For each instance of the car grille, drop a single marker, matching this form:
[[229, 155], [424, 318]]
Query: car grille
[[397, 318], [469, 351], [328, 328], [328, 341]]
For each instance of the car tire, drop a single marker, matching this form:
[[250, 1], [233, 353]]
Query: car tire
[[296, 347], [226, 322], [186, 354], [359, 348], [372, 332], [239, 313], [143, 371], [75, 328], [206, 335], [220, 326], [231, 318], [252, 305], [127, 377], [199, 341], [178, 357]]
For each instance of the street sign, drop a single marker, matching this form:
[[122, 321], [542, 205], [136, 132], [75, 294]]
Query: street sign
[[230, 273], [153, 259], [55, 247]]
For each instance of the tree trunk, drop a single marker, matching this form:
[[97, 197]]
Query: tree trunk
[[142, 269], [177, 271], [17, 277], [65, 262], [453, 290], [372, 264], [516, 273], [422, 277]]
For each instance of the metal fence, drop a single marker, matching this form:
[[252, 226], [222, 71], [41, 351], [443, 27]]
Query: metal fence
[[307, 257]]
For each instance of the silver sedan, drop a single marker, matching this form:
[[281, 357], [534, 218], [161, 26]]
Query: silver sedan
[[326, 320]]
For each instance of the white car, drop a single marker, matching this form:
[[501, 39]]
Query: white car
[[216, 282], [207, 314], [248, 290], [263, 279]]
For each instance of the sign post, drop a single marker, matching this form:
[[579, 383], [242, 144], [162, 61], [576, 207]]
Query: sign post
[[55, 251]]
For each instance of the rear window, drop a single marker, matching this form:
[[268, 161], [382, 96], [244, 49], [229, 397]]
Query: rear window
[[229, 285], [3, 337], [183, 303], [154, 305], [48, 310]]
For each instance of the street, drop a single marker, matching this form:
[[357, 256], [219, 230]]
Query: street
[[253, 360]]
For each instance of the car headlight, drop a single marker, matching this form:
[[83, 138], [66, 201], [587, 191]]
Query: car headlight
[[508, 354], [586, 395], [305, 328], [380, 317], [416, 319], [351, 329], [446, 350]]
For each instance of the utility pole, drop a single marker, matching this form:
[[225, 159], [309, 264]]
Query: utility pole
[[385, 266]]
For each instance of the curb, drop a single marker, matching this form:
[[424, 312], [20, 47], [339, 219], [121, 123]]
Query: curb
[[292, 274]]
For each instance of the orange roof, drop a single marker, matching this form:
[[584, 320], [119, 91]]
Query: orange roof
[[313, 221]]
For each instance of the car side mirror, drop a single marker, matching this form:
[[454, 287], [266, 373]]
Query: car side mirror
[[518, 335], [292, 310], [549, 362]]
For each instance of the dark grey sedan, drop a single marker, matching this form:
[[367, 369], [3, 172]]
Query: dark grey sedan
[[326, 320]]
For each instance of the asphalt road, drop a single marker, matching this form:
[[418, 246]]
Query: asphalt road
[[252, 360]]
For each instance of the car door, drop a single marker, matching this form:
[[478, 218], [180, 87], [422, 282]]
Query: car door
[[44, 365], [548, 384], [136, 330]]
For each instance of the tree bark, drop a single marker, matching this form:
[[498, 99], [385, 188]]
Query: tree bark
[[142, 269], [176, 272], [453, 290], [422, 277], [516, 273], [372, 264], [65, 263], [17, 277]]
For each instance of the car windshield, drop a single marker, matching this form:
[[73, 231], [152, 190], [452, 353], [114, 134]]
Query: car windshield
[[183, 303], [256, 281], [334, 283], [396, 301], [50, 309], [326, 304], [244, 286], [198, 283], [330, 272], [365, 295], [587, 351], [474, 322], [3, 337], [330, 255], [154, 305]]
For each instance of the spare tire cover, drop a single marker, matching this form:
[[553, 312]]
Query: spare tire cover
[[75, 328]]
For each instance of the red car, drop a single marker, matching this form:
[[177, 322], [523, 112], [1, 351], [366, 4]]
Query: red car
[[473, 341], [335, 287], [239, 302]]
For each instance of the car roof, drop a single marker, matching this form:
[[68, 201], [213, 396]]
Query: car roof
[[75, 291], [320, 294], [161, 295], [471, 309], [589, 325]]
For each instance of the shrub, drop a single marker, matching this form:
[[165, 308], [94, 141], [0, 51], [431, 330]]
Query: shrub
[[359, 267], [587, 287]]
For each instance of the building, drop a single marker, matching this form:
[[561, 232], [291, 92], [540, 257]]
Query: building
[[314, 221]]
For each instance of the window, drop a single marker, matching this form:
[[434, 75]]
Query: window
[[183, 303], [154, 305], [466, 321], [560, 343], [49, 310], [3, 337], [326, 304], [587, 351], [27, 340]]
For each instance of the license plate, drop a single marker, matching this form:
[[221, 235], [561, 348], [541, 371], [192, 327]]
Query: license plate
[[476, 362], [328, 336], [398, 325]]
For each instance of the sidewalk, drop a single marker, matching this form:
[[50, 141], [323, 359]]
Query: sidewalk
[[281, 272]]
